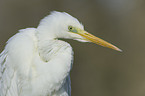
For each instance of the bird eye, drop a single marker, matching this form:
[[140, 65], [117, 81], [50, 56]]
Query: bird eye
[[70, 28]]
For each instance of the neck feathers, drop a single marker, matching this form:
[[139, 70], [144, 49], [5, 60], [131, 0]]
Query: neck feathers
[[49, 49]]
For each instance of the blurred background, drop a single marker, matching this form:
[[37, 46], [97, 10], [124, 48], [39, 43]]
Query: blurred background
[[97, 71]]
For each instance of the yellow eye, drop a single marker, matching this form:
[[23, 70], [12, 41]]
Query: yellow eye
[[70, 28]]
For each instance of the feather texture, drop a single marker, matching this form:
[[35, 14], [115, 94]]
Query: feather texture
[[24, 70], [35, 63]]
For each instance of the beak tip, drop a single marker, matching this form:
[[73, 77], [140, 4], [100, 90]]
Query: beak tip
[[119, 50], [116, 48]]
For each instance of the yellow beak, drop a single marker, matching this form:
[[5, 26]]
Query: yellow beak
[[91, 38]]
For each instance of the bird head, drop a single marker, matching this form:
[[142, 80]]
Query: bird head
[[62, 25]]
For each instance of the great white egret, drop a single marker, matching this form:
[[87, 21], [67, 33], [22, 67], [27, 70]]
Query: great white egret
[[36, 63]]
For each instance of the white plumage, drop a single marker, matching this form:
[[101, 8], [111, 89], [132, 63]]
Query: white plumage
[[35, 63]]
